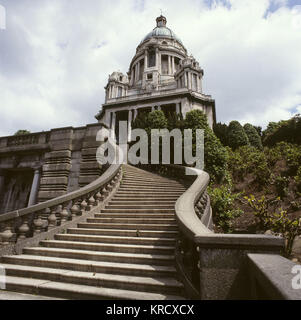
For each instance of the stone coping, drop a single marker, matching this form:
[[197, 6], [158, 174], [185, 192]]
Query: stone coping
[[274, 274], [200, 234], [102, 180]]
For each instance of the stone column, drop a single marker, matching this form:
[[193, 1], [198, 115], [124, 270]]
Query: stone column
[[173, 64], [169, 65], [186, 80], [138, 70], [157, 58], [132, 76], [34, 188], [145, 60], [113, 125], [129, 125], [178, 108], [153, 108], [135, 113], [159, 107]]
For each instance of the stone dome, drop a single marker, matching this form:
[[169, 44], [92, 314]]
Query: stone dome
[[161, 31]]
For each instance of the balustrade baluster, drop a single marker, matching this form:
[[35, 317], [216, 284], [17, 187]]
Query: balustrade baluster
[[23, 229], [64, 213], [38, 223], [8, 234], [75, 210], [52, 220], [83, 206]]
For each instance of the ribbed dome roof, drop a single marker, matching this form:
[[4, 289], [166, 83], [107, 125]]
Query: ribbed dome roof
[[161, 31]]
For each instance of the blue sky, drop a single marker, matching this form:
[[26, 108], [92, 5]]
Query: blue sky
[[56, 55]]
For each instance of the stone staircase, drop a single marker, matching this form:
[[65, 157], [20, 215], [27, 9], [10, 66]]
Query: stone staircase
[[124, 252]]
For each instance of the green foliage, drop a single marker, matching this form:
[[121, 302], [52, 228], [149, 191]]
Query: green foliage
[[222, 203], [216, 156], [284, 130], [21, 132], [247, 159], [298, 179], [288, 228], [221, 131], [236, 135], [261, 209], [253, 136], [281, 184]]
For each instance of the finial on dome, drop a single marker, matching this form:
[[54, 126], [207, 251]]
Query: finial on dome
[[161, 21]]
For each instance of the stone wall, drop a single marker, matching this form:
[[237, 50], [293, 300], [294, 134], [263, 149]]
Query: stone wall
[[62, 160]]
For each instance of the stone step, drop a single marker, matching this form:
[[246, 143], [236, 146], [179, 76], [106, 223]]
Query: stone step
[[150, 188], [148, 194], [134, 215], [132, 226], [140, 206], [77, 291], [137, 210], [126, 233], [117, 239], [137, 258], [150, 249], [150, 184], [161, 285], [139, 199], [134, 220], [153, 202], [10, 295], [91, 266]]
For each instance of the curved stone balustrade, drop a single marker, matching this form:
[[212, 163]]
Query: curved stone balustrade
[[28, 222], [211, 266]]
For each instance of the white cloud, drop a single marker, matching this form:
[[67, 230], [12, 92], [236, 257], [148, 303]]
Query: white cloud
[[55, 56]]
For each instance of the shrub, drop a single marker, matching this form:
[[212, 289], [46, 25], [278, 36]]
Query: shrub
[[222, 202], [236, 135], [288, 228], [285, 130], [253, 136], [221, 131], [281, 184], [298, 179], [261, 208]]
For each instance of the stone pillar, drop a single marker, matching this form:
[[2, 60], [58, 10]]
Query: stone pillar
[[169, 65], [113, 125], [132, 76], [135, 113], [178, 108], [129, 125], [138, 70], [157, 58], [34, 188], [153, 108], [186, 80], [145, 60], [159, 107], [173, 64]]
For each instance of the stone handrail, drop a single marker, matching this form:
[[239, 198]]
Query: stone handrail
[[211, 265], [27, 222]]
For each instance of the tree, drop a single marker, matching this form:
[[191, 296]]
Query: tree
[[216, 156], [221, 131], [236, 135], [21, 132], [253, 136]]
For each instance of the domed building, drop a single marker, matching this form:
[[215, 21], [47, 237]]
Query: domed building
[[161, 76]]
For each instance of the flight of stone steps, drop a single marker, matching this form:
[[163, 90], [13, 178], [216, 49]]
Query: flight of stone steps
[[124, 252]]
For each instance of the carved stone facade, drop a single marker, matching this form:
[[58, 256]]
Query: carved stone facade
[[41, 166], [161, 76]]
